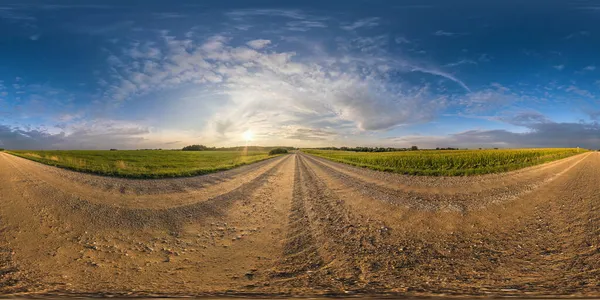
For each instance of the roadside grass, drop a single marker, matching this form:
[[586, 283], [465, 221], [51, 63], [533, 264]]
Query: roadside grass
[[144, 163], [448, 162]]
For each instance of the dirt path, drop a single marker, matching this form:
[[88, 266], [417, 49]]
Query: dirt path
[[301, 225]]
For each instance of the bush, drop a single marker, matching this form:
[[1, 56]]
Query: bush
[[278, 151], [113, 149], [1, 149], [194, 148]]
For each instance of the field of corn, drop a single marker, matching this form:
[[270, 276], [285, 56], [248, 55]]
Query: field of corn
[[447, 162], [144, 163]]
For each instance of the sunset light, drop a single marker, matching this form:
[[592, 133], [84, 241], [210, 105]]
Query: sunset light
[[248, 135]]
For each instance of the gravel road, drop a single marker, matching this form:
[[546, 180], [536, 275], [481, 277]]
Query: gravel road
[[301, 225]]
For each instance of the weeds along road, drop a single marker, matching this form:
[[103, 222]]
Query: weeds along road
[[302, 225]]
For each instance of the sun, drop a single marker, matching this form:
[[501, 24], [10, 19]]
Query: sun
[[248, 135]]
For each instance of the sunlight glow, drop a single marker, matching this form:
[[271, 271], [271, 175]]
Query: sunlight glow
[[248, 135]]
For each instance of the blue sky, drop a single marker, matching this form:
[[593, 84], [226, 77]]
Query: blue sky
[[156, 74]]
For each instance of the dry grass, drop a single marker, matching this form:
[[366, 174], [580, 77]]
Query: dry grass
[[121, 164]]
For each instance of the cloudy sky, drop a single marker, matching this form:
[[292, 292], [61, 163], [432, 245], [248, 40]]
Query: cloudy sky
[[164, 74]]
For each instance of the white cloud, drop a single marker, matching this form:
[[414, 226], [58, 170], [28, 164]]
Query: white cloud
[[578, 91], [559, 67], [446, 33], [258, 44], [362, 23], [590, 68], [442, 74], [402, 40], [462, 62], [264, 90], [305, 25]]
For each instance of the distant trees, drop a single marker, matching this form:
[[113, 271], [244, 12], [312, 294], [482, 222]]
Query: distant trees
[[370, 149], [448, 148], [113, 149], [195, 148], [278, 151], [1, 149]]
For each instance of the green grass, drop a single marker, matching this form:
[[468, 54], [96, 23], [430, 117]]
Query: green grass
[[144, 163], [448, 162]]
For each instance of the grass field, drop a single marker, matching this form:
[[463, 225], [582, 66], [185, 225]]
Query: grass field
[[447, 162], [145, 163]]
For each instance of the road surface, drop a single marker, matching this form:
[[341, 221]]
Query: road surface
[[301, 225]]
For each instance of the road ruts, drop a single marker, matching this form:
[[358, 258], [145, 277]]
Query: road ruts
[[459, 198], [302, 225], [333, 252], [301, 255], [141, 194], [543, 242], [70, 246]]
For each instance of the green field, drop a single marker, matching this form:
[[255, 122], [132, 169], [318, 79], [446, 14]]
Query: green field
[[145, 163], [447, 162]]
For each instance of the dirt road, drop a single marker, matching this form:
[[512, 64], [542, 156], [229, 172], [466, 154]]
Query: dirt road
[[301, 225]]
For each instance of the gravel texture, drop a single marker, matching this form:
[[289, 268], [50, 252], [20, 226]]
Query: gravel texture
[[304, 226]]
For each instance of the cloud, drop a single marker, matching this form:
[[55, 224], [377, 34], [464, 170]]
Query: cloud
[[577, 34], [488, 99], [589, 68], [442, 74], [581, 92], [447, 33], [305, 25], [541, 133], [362, 23], [559, 67], [526, 118], [402, 40], [462, 62], [309, 134], [223, 126], [260, 89], [258, 44], [169, 15], [546, 134], [244, 13], [35, 37], [93, 134]]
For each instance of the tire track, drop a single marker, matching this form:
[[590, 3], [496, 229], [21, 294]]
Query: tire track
[[457, 201], [331, 250], [303, 227], [77, 247], [301, 252], [93, 214], [448, 184], [141, 193], [546, 244]]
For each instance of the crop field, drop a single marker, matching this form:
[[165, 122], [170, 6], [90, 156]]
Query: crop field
[[447, 162], [144, 163]]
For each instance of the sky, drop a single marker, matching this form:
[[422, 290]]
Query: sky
[[165, 74]]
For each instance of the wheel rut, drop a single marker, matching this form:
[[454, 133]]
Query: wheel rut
[[303, 226], [419, 198]]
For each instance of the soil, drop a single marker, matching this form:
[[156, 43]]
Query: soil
[[298, 225]]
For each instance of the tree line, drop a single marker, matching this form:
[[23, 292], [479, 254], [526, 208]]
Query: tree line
[[237, 148], [380, 149]]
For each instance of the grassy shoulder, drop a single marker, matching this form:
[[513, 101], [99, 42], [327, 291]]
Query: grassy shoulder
[[448, 162], [144, 163]]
